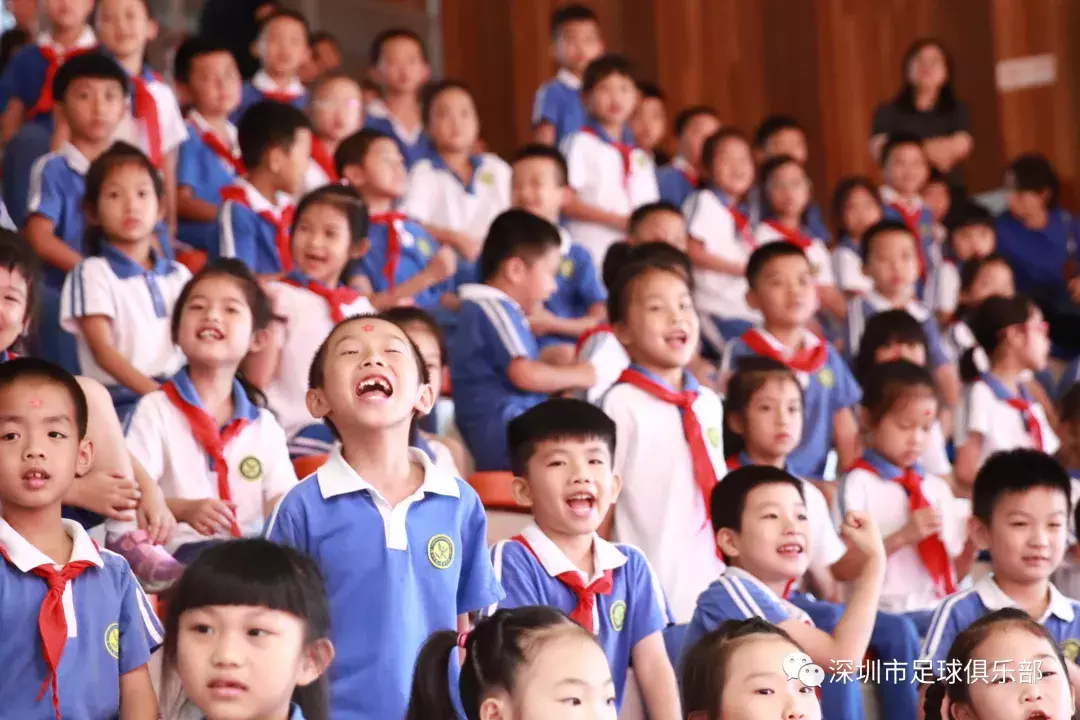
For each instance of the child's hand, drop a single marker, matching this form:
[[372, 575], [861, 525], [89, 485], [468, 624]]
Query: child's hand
[[155, 518], [443, 264], [924, 522], [110, 494], [860, 530], [208, 516], [450, 301], [468, 246], [542, 321]]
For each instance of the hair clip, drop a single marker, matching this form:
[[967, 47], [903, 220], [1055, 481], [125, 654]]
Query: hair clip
[[462, 638]]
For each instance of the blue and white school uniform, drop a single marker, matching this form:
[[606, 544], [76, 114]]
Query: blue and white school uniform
[[139, 304], [816, 253], [848, 268], [492, 331], [111, 630], [262, 87], [826, 391], [416, 249], [25, 75], [601, 349], [601, 177], [578, 286], [438, 197], [424, 563], [985, 410], [869, 304], [677, 181], [160, 437], [633, 610], [205, 166], [558, 102], [414, 144], [943, 293], [245, 231], [958, 611], [917, 216], [173, 131], [667, 520]]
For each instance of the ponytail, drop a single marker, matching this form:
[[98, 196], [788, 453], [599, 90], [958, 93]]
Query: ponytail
[[970, 362], [988, 323], [935, 698], [431, 697]]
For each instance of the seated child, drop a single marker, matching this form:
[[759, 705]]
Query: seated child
[[972, 236], [337, 111], [210, 158], [257, 212], [118, 301], [668, 425], [400, 65], [906, 171], [90, 90], [609, 176], [282, 48], [455, 192], [779, 278], [660, 221], [52, 572], [680, 178], [495, 361], [980, 278], [856, 208], [648, 124], [428, 568], [937, 196], [326, 54], [576, 40], [783, 135], [561, 454], [403, 261]]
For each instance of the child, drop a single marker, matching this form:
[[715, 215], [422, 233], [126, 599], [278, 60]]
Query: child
[[721, 238], [279, 673], [610, 177], [329, 230], [337, 111], [779, 278], [998, 412], [576, 41], [906, 172], [738, 672], [648, 124], [117, 302], [657, 222], [400, 65], [403, 261], [454, 192], [496, 367], [972, 237], [423, 531], [90, 91], [282, 48], [565, 666], [783, 135], [980, 278], [538, 184], [561, 453], [210, 158], [856, 207], [937, 196], [326, 54], [668, 425], [680, 177], [54, 573], [256, 212]]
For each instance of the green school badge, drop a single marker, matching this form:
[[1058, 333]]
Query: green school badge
[[566, 268], [1070, 649], [251, 468], [424, 246], [486, 178], [826, 378], [112, 640], [714, 436], [440, 551], [617, 614]]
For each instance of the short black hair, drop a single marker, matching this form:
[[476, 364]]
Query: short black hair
[[94, 65], [353, 150], [970, 214], [286, 14], [572, 13], [402, 315], [883, 329], [344, 198], [516, 234], [1015, 471], [844, 189], [641, 212], [880, 228], [324, 36], [638, 262], [604, 67], [24, 368], [765, 254], [969, 271], [619, 254], [556, 419], [432, 91], [541, 151], [1033, 172], [650, 90], [18, 256], [898, 140], [772, 125], [394, 33], [728, 500], [267, 125], [686, 115], [191, 50], [11, 42], [889, 382]]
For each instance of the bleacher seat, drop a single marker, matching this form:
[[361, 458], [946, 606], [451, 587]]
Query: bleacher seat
[[193, 260], [308, 464], [506, 518]]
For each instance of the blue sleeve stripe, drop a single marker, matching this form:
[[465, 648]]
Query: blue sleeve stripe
[[932, 643], [538, 106], [742, 599], [37, 172], [497, 566], [504, 327]]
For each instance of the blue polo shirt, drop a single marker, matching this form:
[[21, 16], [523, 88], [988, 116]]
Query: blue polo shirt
[[578, 283], [394, 575], [199, 168], [244, 235], [675, 186], [414, 146], [417, 249], [863, 307], [249, 95], [925, 226], [558, 101], [634, 610], [492, 331], [57, 187], [112, 630], [1038, 257]]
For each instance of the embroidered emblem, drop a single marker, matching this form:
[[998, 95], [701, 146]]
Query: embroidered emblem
[[566, 268], [1070, 649], [112, 640], [826, 377], [617, 615], [487, 178], [714, 436], [424, 247], [440, 551], [251, 468]]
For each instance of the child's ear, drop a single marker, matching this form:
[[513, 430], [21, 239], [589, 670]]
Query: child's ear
[[616, 487], [737, 424], [752, 299], [979, 533], [317, 658], [316, 403], [152, 30], [622, 333], [521, 491], [728, 542], [359, 249], [425, 399], [354, 175], [85, 459]]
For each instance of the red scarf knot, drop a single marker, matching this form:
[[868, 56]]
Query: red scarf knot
[[55, 58], [144, 108], [626, 154], [322, 157], [392, 220], [586, 594], [282, 223], [223, 150], [336, 298], [791, 235], [1031, 423], [805, 360]]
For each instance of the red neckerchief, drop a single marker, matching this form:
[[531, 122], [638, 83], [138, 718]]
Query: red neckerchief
[[794, 237], [210, 439], [281, 96], [806, 360], [586, 594], [588, 334], [393, 241], [324, 159], [911, 219], [52, 623], [931, 549], [1024, 406], [144, 108], [55, 59], [223, 150], [626, 152], [336, 298], [281, 224]]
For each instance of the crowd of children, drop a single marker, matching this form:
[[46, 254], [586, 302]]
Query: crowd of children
[[262, 337]]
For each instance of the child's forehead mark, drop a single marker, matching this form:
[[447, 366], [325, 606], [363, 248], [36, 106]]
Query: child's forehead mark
[[36, 402], [367, 328]]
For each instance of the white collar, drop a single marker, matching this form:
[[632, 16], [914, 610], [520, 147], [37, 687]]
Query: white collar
[[565, 240], [741, 574], [994, 598], [477, 292], [337, 477], [554, 561], [889, 196], [680, 163], [568, 79], [26, 557], [264, 83], [196, 118], [913, 308], [86, 40], [377, 108], [75, 159], [810, 340], [259, 202]]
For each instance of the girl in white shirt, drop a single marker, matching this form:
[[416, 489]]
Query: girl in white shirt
[[856, 207]]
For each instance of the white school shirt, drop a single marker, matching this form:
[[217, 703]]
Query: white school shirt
[[710, 221], [437, 196], [607, 355], [945, 287], [170, 121], [816, 253], [1001, 426], [908, 585], [139, 304], [444, 459], [595, 172], [307, 325], [935, 457], [315, 177], [848, 269], [661, 509]]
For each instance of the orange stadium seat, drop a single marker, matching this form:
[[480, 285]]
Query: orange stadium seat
[[193, 260], [494, 491], [308, 464]]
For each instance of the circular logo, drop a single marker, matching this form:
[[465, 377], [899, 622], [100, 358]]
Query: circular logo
[[714, 436], [1070, 649], [251, 468], [566, 268], [424, 246], [826, 378], [487, 178], [440, 551], [617, 614], [112, 640]]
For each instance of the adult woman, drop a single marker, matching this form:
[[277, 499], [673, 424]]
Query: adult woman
[[927, 106]]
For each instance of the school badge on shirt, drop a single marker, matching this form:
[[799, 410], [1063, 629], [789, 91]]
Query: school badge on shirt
[[714, 436], [617, 615], [112, 640], [826, 377], [251, 468], [1070, 649], [440, 551], [487, 178], [424, 247], [566, 268]]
